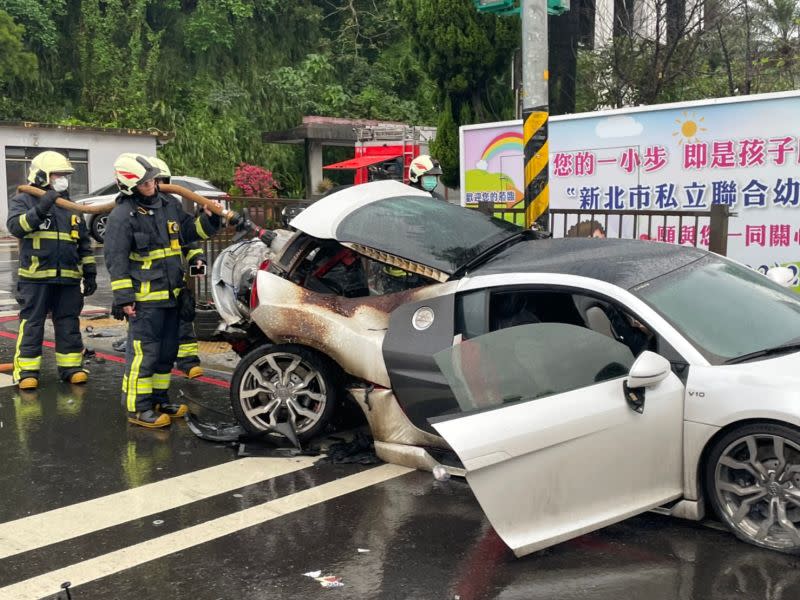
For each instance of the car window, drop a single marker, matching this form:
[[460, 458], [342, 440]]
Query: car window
[[725, 309], [514, 307], [111, 188], [527, 362], [426, 231]]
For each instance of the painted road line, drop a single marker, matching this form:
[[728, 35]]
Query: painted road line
[[132, 556], [6, 380], [87, 517]]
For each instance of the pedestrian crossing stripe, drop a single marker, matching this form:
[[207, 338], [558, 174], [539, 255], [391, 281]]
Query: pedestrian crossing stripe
[[132, 556]]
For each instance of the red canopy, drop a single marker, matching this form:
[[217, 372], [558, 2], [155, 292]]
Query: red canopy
[[361, 161]]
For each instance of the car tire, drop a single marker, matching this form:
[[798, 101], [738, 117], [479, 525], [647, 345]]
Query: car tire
[[311, 409], [752, 478], [98, 227]]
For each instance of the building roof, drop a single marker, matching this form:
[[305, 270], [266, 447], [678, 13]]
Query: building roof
[[162, 136], [335, 131]]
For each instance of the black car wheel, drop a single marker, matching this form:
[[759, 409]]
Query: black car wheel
[[752, 477], [98, 227], [282, 383]]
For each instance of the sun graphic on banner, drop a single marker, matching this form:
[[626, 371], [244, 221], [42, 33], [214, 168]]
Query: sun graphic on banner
[[688, 128]]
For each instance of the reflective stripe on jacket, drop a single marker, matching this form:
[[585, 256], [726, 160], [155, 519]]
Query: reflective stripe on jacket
[[55, 246], [143, 248]]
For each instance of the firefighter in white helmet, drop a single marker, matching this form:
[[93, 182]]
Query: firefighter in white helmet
[[188, 352], [424, 173], [55, 256], [145, 235]]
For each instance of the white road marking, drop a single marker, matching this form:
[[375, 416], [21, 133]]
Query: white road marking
[[79, 519], [132, 556], [6, 380]]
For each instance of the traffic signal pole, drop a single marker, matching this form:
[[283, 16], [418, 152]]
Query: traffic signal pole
[[535, 112]]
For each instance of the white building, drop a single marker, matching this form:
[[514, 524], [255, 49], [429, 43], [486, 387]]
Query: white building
[[92, 151]]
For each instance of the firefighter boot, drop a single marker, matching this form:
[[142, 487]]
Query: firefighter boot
[[79, 377], [29, 383], [172, 409], [149, 418], [195, 372]]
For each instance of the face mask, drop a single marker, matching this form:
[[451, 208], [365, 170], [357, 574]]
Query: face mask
[[429, 183], [60, 184]]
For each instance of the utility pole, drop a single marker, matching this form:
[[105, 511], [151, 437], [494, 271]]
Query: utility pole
[[535, 112]]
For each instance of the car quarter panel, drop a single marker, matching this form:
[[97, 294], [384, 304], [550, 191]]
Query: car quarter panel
[[348, 330], [421, 389]]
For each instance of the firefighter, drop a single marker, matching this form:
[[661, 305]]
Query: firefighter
[[424, 173], [188, 359], [55, 255], [144, 236]]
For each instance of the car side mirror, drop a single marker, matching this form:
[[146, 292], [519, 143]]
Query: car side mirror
[[648, 370]]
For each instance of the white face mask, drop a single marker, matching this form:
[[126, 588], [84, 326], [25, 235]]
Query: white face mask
[[60, 184]]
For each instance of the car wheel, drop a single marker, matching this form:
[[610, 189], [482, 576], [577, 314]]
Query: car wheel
[[752, 477], [282, 383], [98, 227]]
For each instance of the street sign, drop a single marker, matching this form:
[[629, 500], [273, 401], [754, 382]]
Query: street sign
[[512, 7]]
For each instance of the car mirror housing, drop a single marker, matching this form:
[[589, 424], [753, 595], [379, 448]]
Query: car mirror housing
[[649, 370]]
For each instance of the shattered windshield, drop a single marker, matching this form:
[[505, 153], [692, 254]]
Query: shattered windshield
[[427, 231]]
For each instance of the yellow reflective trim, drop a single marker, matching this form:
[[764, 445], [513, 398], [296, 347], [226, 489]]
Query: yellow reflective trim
[[23, 364], [133, 377], [71, 273], [192, 253], [147, 264], [23, 222], [152, 255], [121, 284], [38, 236], [144, 385], [88, 260], [69, 359], [189, 349], [198, 225], [161, 381], [34, 273]]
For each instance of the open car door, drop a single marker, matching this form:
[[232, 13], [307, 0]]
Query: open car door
[[554, 442]]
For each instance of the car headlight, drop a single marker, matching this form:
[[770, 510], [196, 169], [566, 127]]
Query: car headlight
[[423, 318]]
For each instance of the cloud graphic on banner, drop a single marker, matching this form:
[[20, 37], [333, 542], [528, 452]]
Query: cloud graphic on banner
[[617, 127], [482, 165]]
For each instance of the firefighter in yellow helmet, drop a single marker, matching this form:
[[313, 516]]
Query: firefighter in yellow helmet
[[55, 255], [145, 234], [188, 352]]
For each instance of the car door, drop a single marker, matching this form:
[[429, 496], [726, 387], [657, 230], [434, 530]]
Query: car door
[[550, 438]]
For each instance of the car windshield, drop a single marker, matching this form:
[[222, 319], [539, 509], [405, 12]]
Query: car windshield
[[430, 232], [726, 310]]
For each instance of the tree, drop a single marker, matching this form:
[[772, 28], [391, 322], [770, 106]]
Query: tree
[[15, 62], [445, 147]]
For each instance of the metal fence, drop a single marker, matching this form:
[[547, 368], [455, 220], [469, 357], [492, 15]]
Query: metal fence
[[701, 228], [264, 212]]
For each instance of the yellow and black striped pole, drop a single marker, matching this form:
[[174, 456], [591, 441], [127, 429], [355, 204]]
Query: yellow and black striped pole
[[535, 112], [534, 135]]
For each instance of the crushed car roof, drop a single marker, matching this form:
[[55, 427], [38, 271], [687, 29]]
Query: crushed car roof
[[625, 263]]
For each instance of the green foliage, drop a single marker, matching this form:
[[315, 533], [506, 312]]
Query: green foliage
[[445, 147], [15, 62]]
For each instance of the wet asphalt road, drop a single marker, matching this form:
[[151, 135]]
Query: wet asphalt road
[[127, 513]]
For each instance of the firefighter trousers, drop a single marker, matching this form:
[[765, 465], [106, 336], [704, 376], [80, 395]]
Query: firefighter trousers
[[187, 347], [151, 351], [64, 302]]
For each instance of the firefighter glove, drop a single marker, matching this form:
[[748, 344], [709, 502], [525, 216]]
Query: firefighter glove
[[186, 309], [89, 284], [46, 202], [117, 312]]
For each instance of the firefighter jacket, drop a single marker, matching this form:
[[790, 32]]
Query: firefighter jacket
[[55, 246], [143, 248]]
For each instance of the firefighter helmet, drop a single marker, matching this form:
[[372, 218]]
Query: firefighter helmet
[[165, 173], [423, 165], [45, 164], [132, 169]]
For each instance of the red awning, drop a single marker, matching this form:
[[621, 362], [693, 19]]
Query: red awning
[[361, 161]]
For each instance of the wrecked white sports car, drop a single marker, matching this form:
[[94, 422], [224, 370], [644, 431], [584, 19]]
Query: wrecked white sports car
[[636, 374]]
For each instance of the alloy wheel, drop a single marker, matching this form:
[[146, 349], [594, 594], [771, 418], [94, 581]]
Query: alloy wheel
[[757, 487], [282, 387], [100, 224]]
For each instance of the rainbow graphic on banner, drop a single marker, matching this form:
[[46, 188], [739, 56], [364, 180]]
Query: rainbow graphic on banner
[[505, 142]]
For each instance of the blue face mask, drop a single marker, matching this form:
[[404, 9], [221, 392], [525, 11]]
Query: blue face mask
[[429, 182]]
